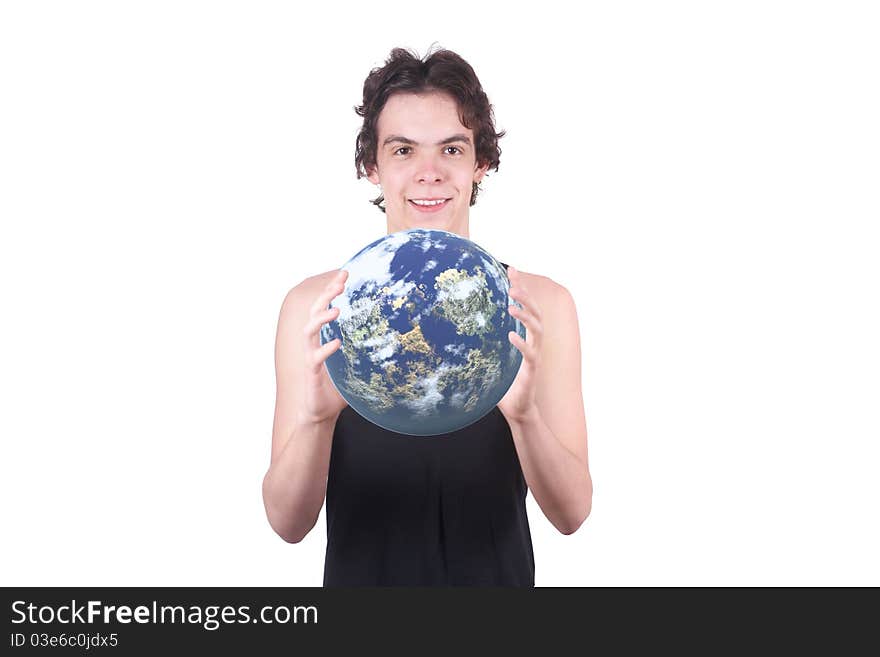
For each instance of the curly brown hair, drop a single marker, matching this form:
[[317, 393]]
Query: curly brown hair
[[443, 71]]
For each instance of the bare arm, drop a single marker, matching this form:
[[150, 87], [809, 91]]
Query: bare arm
[[296, 483], [549, 431], [306, 408]]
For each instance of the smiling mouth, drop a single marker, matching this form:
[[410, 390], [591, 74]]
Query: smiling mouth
[[429, 206]]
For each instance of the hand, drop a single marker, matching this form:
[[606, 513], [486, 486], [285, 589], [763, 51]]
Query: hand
[[321, 402], [519, 402]]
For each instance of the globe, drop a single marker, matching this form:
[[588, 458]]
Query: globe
[[423, 322]]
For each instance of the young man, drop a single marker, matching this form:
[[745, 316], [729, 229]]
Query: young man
[[444, 510]]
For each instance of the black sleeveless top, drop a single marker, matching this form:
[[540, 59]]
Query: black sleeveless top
[[445, 510]]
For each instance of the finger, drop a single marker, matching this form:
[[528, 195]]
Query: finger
[[311, 329], [332, 290], [521, 295], [528, 351], [515, 278], [534, 327], [323, 352]]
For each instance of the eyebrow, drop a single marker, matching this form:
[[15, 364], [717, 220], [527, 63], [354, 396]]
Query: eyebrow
[[406, 140]]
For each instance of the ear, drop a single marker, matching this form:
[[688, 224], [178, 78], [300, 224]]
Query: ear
[[373, 175], [480, 172]]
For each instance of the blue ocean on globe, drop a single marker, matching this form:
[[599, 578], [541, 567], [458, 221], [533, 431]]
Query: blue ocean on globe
[[423, 323]]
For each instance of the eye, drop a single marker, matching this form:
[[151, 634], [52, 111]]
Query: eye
[[455, 147], [400, 149]]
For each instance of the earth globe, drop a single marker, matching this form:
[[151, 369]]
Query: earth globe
[[423, 323]]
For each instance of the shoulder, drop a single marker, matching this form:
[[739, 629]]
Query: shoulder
[[547, 292], [300, 297]]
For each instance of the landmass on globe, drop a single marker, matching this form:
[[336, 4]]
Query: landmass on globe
[[423, 323]]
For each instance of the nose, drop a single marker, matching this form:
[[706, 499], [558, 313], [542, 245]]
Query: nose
[[429, 170]]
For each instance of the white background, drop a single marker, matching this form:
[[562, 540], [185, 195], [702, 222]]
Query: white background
[[703, 178]]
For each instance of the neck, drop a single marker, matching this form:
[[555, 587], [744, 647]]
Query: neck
[[459, 228]]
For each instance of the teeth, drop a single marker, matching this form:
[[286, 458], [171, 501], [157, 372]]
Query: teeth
[[428, 202]]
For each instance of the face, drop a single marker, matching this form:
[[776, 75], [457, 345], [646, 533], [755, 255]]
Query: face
[[424, 153]]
